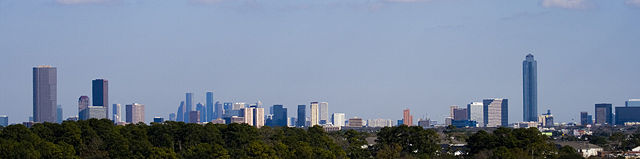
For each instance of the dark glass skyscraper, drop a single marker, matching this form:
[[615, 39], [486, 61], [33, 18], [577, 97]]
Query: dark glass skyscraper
[[202, 112], [279, 116], [59, 114], [100, 94], [219, 111], [604, 115], [188, 107], [181, 112], [210, 105], [529, 89], [45, 86], [302, 119]]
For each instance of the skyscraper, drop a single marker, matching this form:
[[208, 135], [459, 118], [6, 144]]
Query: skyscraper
[[258, 117], [302, 116], [45, 86], [59, 114], [529, 89], [4, 120], [632, 103], [172, 117], [584, 118], [313, 109], [324, 113], [117, 113], [228, 108], [407, 118], [83, 103], [100, 94], [338, 119], [203, 112], [95, 112], [604, 115], [210, 106], [219, 112], [475, 112], [496, 112], [247, 113], [188, 106], [279, 116], [135, 113], [194, 116], [460, 114], [181, 112]]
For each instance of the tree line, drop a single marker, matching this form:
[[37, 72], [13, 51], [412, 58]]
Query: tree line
[[102, 139]]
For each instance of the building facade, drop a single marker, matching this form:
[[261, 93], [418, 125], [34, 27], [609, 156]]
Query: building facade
[[302, 116], [314, 114], [355, 122], [496, 112], [135, 113], [632, 103], [117, 113], [323, 113], [407, 118], [475, 111], [181, 112], [279, 116], [604, 114], [100, 93], [94, 112], [83, 103], [188, 107], [45, 96], [627, 114], [338, 119], [4, 120], [209, 107], [529, 89]]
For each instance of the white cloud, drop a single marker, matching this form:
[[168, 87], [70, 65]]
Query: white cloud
[[81, 1], [568, 4], [633, 2]]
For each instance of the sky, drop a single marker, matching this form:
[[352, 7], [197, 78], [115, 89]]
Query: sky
[[366, 58]]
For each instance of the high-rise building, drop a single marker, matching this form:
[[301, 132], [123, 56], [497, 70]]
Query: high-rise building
[[604, 114], [313, 110], [194, 116], [407, 118], [460, 114], [83, 103], [338, 119], [496, 112], [117, 113], [94, 112], [632, 103], [4, 120], [302, 116], [45, 86], [203, 112], [258, 117], [379, 123], [59, 114], [172, 117], [210, 105], [627, 114], [238, 106], [323, 113], [279, 116], [529, 89], [100, 93], [584, 118], [181, 112], [227, 108], [219, 112], [546, 120], [424, 123], [356, 122], [135, 113], [451, 110], [475, 112], [188, 107], [158, 119], [247, 113]]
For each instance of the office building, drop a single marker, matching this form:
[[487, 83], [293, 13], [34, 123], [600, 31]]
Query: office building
[[475, 111], [632, 103], [424, 123], [203, 112], [135, 113], [210, 106], [302, 116], [94, 112], [83, 103], [313, 110], [338, 119], [117, 113], [238, 106], [323, 113], [219, 112], [279, 116], [407, 118], [172, 117], [158, 119], [247, 114], [181, 112], [496, 112], [355, 122], [464, 123], [194, 116], [460, 114], [227, 108], [529, 89], [627, 114], [546, 120], [379, 123], [100, 93], [258, 117], [45, 86], [188, 107], [4, 120], [585, 118], [236, 119], [604, 115], [59, 114]]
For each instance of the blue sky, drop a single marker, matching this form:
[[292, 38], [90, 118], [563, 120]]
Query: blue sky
[[367, 58]]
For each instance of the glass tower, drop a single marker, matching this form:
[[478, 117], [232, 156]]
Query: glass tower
[[45, 85], [529, 89], [188, 106], [100, 94], [302, 119], [210, 105]]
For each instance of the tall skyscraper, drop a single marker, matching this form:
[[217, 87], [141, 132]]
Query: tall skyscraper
[[194, 116], [604, 115], [302, 116], [83, 103], [475, 112], [45, 86], [228, 109], [632, 103], [338, 119], [219, 112], [258, 117], [584, 118], [59, 114], [4, 120], [247, 113], [181, 112], [324, 112], [210, 106], [407, 118], [203, 112], [100, 94], [496, 112], [313, 109], [135, 113], [117, 113], [530, 89], [279, 116], [188, 106]]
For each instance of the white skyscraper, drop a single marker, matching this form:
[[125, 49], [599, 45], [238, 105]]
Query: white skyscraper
[[314, 120], [476, 113], [324, 113], [338, 119], [258, 117], [117, 113], [135, 113], [247, 113]]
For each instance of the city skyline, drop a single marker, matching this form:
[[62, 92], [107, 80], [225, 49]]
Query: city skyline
[[383, 58]]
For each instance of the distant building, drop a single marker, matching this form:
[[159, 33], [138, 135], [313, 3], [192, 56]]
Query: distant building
[[194, 116], [356, 122], [135, 113], [400, 122], [210, 114], [313, 110], [464, 123], [247, 113], [236, 119], [4, 120], [529, 89], [632, 103], [379, 123], [258, 117], [279, 116], [72, 118], [407, 118], [338, 119], [158, 119], [546, 120], [604, 115], [424, 123], [203, 112], [301, 116], [585, 118], [526, 124], [496, 112], [59, 114], [627, 114], [227, 108], [219, 112], [117, 113], [460, 114], [188, 107], [475, 112], [181, 112], [217, 121], [94, 112], [45, 96], [172, 117], [100, 93], [323, 113], [83, 103]]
